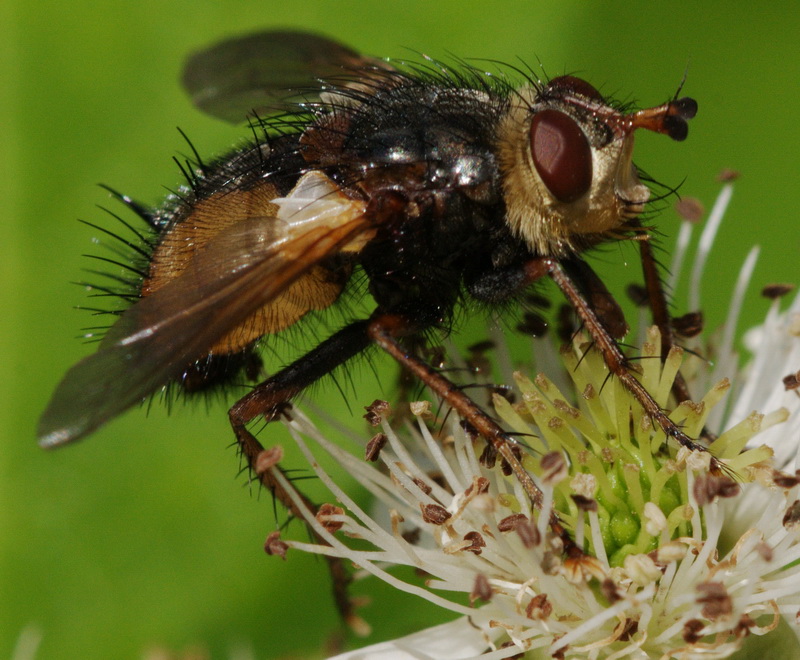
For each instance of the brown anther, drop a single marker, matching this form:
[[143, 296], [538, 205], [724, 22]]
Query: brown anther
[[488, 457], [412, 536], [566, 323], [510, 523], [476, 541], [505, 467], [561, 654], [532, 324], [775, 291], [791, 519], [629, 628], [377, 411], [708, 487], [479, 364], [692, 631], [783, 480], [584, 503], [667, 553], [743, 626], [274, 546], [554, 468], [528, 533], [688, 325], [481, 346], [727, 175], [435, 514], [374, 446], [481, 589], [539, 608], [324, 514], [764, 551], [637, 294], [690, 208], [609, 589], [715, 600], [542, 383], [792, 381], [424, 487], [695, 407], [479, 486]]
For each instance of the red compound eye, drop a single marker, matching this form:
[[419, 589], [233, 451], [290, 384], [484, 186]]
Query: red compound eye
[[561, 154], [572, 85]]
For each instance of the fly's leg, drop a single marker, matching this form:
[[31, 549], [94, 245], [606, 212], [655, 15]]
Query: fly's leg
[[657, 302], [386, 330], [612, 355], [270, 399]]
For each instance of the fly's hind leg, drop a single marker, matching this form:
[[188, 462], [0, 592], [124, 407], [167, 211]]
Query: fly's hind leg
[[657, 300], [270, 399]]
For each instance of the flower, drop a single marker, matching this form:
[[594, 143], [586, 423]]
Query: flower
[[663, 558]]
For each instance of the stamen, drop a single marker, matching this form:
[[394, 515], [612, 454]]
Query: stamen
[[706, 241]]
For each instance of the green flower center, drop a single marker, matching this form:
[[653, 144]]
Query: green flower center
[[620, 470]]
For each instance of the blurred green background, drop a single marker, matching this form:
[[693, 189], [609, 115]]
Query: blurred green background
[[143, 537]]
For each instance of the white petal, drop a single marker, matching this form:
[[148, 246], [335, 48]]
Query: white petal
[[776, 353], [457, 640]]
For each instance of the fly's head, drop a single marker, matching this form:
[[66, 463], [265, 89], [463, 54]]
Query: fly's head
[[566, 161]]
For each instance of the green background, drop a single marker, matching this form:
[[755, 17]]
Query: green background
[[142, 536]]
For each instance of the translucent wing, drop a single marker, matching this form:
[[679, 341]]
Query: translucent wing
[[238, 272], [267, 72]]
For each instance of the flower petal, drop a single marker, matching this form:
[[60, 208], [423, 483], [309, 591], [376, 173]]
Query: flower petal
[[457, 640]]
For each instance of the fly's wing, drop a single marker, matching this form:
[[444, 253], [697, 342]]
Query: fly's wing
[[239, 271], [269, 72]]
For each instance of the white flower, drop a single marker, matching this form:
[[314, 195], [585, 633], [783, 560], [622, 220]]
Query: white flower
[[663, 559]]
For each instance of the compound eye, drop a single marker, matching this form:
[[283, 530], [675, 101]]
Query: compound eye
[[572, 85], [561, 154]]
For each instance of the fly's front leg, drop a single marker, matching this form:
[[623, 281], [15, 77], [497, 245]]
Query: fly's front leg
[[612, 355]]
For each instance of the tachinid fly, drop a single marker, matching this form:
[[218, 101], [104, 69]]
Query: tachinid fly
[[439, 188]]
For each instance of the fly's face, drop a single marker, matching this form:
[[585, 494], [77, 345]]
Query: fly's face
[[565, 156]]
